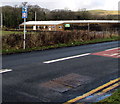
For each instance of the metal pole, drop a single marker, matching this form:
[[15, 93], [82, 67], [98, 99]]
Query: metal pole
[[35, 15], [1, 21], [24, 33], [88, 28], [24, 4], [35, 21]]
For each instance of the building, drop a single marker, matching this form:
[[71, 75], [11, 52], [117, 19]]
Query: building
[[70, 25]]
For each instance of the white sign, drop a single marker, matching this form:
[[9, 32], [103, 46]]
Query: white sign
[[34, 27]]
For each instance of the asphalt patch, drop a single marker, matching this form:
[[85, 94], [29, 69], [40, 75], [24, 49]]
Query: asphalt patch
[[67, 82]]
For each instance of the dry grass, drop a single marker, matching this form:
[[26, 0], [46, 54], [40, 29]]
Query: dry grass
[[40, 39], [104, 12]]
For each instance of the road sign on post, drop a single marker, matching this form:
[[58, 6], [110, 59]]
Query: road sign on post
[[24, 12], [24, 15]]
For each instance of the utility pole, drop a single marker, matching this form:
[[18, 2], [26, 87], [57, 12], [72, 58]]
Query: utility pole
[[35, 16], [1, 21], [24, 15], [24, 33], [35, 19], [88, 28]]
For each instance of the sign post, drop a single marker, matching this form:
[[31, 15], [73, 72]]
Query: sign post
[[1, 20], [24, 15], [88, 28]]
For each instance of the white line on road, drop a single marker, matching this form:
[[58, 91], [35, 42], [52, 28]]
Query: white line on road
[[66, 58], [112, 49], [5, 70], [115, 54]]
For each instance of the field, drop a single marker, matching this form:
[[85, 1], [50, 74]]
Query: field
[[103, 12]]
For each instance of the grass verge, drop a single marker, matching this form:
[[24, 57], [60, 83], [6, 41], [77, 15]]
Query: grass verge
[[113, 99], [14, 32], [11, 51]]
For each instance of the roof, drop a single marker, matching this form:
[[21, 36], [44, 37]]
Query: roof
[[68, 21], [43, 23]]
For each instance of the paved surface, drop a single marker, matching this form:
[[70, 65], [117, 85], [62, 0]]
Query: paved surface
[[114, 52], [73, 74]]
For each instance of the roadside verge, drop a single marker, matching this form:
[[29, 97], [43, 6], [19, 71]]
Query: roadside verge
[[71, 44]]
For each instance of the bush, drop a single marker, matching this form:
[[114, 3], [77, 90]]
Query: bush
[[39, 39]]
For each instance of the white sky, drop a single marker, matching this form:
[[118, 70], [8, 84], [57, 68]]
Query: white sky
[[69, 4]]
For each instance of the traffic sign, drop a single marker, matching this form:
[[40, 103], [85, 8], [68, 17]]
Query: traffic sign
[[24, 12], [24, 15], [67, 25], [24, 9]]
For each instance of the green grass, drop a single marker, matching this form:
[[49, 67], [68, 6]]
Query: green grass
[[13, 32], [10, 51], [10, 32], [113, 99]]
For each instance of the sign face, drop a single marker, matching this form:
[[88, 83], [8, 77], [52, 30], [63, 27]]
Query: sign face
[[34, 27], [24, 12], [24, 9], [67, 25], [24, 15]]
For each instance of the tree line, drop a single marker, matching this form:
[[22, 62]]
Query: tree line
[[12, 16]]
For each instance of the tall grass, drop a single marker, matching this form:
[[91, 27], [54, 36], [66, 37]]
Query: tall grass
[[39, 39]]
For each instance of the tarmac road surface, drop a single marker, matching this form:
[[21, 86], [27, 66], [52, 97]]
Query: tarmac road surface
[[58, 75]]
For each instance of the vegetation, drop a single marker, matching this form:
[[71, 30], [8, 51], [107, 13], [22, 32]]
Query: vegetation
[[46, 40], [113, 99], [12, 15], [12, 41], [104, 12], [13, 32]]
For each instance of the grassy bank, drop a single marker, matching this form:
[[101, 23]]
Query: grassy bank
[[13, 32], [13, 43], [104, 12], [10, 51], [113, 99]]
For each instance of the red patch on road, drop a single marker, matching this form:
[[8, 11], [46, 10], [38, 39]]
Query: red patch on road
[[114, 53]]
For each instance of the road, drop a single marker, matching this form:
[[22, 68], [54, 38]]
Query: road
[[57, 75]]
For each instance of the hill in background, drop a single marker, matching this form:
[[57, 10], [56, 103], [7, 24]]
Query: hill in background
[[103, 12]]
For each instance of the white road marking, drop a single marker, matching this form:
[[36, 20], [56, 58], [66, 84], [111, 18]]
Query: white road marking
[[118, 56], [66, 58], [107, 54], [114, 54], [112, 49], [5, 70]]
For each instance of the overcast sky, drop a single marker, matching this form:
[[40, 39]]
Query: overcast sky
[[68, 4]]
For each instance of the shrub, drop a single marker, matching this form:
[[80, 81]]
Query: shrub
[[39, 39]]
